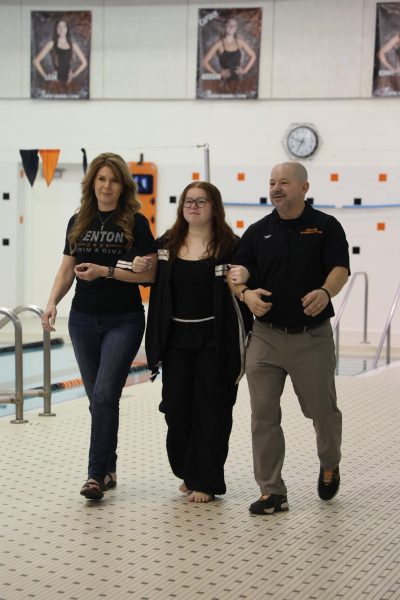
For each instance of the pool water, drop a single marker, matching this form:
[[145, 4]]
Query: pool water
[[63, 368]]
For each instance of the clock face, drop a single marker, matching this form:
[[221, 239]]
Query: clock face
[[302, 141]]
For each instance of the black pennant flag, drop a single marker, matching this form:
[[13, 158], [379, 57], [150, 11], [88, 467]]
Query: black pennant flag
[[30, 162]]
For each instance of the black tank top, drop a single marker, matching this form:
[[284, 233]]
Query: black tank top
[[192, 288], [231, 60], [64, 57]]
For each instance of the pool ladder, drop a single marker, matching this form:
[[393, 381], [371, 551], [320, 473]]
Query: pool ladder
[[385, 336], [17, 396]]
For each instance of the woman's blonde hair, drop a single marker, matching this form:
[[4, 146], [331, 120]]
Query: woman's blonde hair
[[128, 204]]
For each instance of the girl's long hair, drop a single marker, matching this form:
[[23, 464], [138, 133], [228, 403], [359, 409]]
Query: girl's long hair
[[56, 36], [128, 204], [54, 55], [222, 240]]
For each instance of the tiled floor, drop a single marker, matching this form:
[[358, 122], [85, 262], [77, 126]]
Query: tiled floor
[[145, 541]]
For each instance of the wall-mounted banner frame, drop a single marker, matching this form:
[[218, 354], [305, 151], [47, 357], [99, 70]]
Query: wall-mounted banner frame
[[228, 53], [60, 54], [386, 81]]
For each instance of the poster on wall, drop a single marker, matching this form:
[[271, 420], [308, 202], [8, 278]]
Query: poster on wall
[[228, 53], [60, 54], [386, 80]]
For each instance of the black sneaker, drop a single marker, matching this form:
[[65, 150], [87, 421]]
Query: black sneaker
[[267, 505], [328, 483]]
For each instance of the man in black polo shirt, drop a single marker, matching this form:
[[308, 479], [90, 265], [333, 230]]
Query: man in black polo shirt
[[297, 260]]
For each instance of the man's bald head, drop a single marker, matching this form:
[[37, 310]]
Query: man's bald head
[[288, 187], [295, 169]]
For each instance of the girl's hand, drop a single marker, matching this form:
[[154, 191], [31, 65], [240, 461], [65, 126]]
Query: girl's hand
[[141, 264], [238, 274]]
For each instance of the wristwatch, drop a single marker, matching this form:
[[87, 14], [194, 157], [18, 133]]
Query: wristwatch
[[242, 293], [110, 274]]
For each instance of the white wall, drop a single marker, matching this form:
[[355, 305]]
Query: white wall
[[315, 66], [148, 48], [10, 213]]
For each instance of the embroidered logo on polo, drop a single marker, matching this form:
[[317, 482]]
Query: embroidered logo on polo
[[266, 237], [311, 231]]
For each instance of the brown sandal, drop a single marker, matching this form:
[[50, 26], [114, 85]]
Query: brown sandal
[[111, 483], [92, 489]]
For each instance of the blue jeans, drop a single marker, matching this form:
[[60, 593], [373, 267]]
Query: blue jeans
[[105, 347]]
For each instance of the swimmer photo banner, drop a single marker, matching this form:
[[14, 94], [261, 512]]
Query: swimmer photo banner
[[228, 53], [386, 79], [60, 54]]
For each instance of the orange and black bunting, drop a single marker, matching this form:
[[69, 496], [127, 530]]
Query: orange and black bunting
[[50, 160], [145, 175]]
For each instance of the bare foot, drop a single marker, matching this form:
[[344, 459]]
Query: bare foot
[[184, 489], [200, 497]]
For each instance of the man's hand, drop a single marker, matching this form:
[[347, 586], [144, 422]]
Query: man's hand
[[253, 300], [315, 302]]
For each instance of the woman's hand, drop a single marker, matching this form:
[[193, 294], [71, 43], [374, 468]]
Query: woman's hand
[[90, 271], [49, 317], [142, 264]]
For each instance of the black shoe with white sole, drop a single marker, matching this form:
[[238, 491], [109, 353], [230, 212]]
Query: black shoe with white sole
[[267, 505]]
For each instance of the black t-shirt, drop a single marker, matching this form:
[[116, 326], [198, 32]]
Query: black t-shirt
[[193, 288], [291, 257], [108, 247]]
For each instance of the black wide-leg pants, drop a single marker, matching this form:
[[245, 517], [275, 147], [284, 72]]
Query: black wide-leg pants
[[197, 404]]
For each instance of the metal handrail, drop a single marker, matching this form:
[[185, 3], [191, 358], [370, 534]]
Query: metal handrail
[[18, 397], [45, 391], [336, 324], [386, 333]]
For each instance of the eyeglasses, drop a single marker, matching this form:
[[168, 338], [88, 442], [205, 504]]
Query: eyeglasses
[[199, 202]]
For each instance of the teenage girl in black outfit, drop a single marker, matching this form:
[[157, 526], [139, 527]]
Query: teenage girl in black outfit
[[197, 331]]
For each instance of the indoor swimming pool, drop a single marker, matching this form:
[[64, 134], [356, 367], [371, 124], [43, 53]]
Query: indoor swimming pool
[[63, 370]]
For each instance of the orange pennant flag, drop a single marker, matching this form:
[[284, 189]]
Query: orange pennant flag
[[50, 160]]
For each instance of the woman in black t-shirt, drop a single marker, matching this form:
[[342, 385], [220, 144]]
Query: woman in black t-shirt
[[196, 330], [106, 322]]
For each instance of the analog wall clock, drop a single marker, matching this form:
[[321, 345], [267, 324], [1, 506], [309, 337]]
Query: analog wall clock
[[302, 141]]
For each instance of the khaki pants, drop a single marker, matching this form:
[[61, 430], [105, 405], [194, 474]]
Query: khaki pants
[[309, 359]]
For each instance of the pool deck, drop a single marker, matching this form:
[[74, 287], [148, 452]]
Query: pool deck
[[145, 541]]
